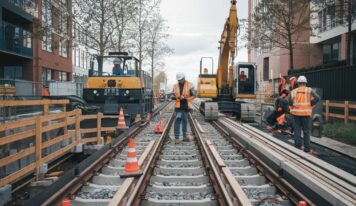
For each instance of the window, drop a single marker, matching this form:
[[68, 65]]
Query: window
[[63, 76], [46, 13], [77, 57], [63, 27], [266, 69], [73, 56], [88, 61], [11, 72], [82, 59], [47, 75], [47, 40], [63, 48], [331, 52]]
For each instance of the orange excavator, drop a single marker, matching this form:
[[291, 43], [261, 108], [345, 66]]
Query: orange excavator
[[233, 88]]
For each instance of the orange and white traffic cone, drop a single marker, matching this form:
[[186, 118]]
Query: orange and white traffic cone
[[132, 168], [159, 127], [121, 124], [65, 202]]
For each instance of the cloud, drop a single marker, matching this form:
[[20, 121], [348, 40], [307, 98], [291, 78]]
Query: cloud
[[195, 27]]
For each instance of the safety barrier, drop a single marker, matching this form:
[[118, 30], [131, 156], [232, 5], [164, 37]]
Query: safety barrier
[[28, 138], [346, 106]]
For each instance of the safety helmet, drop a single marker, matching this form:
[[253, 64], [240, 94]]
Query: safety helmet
[[302, 79], [180, 76], [117, 61]]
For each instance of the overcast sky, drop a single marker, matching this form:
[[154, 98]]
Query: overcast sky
[[195, 27]]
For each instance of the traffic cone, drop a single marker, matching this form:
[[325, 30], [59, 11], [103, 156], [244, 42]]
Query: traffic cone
[[302, 203], [121, 122], [65, 202], [159, 127], [132, 168]]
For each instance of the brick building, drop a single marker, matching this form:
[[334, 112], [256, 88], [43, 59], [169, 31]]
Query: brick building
[[327, 45], [52, 51]]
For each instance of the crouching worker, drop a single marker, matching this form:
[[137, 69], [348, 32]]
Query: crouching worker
[[183, 94], [276, 120]]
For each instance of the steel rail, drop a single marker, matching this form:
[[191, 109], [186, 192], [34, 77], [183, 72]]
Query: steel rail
[[70, 188], [298, 159]]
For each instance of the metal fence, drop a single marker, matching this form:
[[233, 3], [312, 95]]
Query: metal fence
[[337, 83]]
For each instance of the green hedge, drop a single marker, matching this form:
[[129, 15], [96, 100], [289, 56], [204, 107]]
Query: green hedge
[[316, 68]]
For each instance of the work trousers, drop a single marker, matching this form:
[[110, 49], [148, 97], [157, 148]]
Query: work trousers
[[302, 123], [272, 118], [181, 119]]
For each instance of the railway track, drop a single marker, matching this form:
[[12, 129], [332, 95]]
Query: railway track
[[257, 188], [97, 178], [312, 179], [226, 163]]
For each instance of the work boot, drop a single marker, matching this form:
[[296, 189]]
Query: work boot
[[177, 141], [187, 138]]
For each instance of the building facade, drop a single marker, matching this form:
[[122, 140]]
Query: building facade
[[331, 28], [16, 38], [53, 48], [81, 53], [273, 61]]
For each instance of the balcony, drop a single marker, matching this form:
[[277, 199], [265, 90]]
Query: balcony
[[29, 6], [15, 40]]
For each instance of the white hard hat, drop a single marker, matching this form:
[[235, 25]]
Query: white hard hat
[[302, 79], [180, 76], [117, 61]]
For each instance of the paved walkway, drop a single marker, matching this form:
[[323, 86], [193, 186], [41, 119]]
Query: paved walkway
[[337, 146]]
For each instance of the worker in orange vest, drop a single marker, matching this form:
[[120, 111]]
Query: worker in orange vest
[[183, 94], [302, 100]]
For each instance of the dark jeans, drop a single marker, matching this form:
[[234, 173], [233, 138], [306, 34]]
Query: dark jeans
[[302, 122], [272, 118], [181, 117]]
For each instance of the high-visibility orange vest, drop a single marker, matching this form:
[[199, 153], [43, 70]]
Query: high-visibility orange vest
[[186, 92], [301, 98]]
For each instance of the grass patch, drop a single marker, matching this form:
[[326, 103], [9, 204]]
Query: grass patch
[[341, 132]]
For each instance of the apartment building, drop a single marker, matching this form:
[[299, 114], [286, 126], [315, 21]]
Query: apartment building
[[16, 37], [331, 27], [274, 61], [81, 53], [53, 48]]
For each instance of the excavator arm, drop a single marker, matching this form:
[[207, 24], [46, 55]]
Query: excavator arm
[[227, 50]]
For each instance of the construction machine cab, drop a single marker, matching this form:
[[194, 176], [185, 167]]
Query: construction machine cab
[[245, 84]]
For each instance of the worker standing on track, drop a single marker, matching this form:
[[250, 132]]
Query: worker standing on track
[[183, 93], [302, 99]]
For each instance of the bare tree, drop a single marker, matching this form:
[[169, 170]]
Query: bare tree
[[343, 12], [157, 47], [144, 11], [96, 17], [279, 23], [123, 15]]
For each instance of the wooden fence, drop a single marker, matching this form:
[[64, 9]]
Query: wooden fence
[[346, 106], [35, 127]]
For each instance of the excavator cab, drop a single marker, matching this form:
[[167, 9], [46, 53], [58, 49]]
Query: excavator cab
[[245, 84]]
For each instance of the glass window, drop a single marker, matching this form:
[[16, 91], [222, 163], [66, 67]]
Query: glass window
[[47, 40], [46, 12], [77, 57], [11, 72], [326, 53], [63, 76], [335, 52], [63, 48], [82, 59]]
